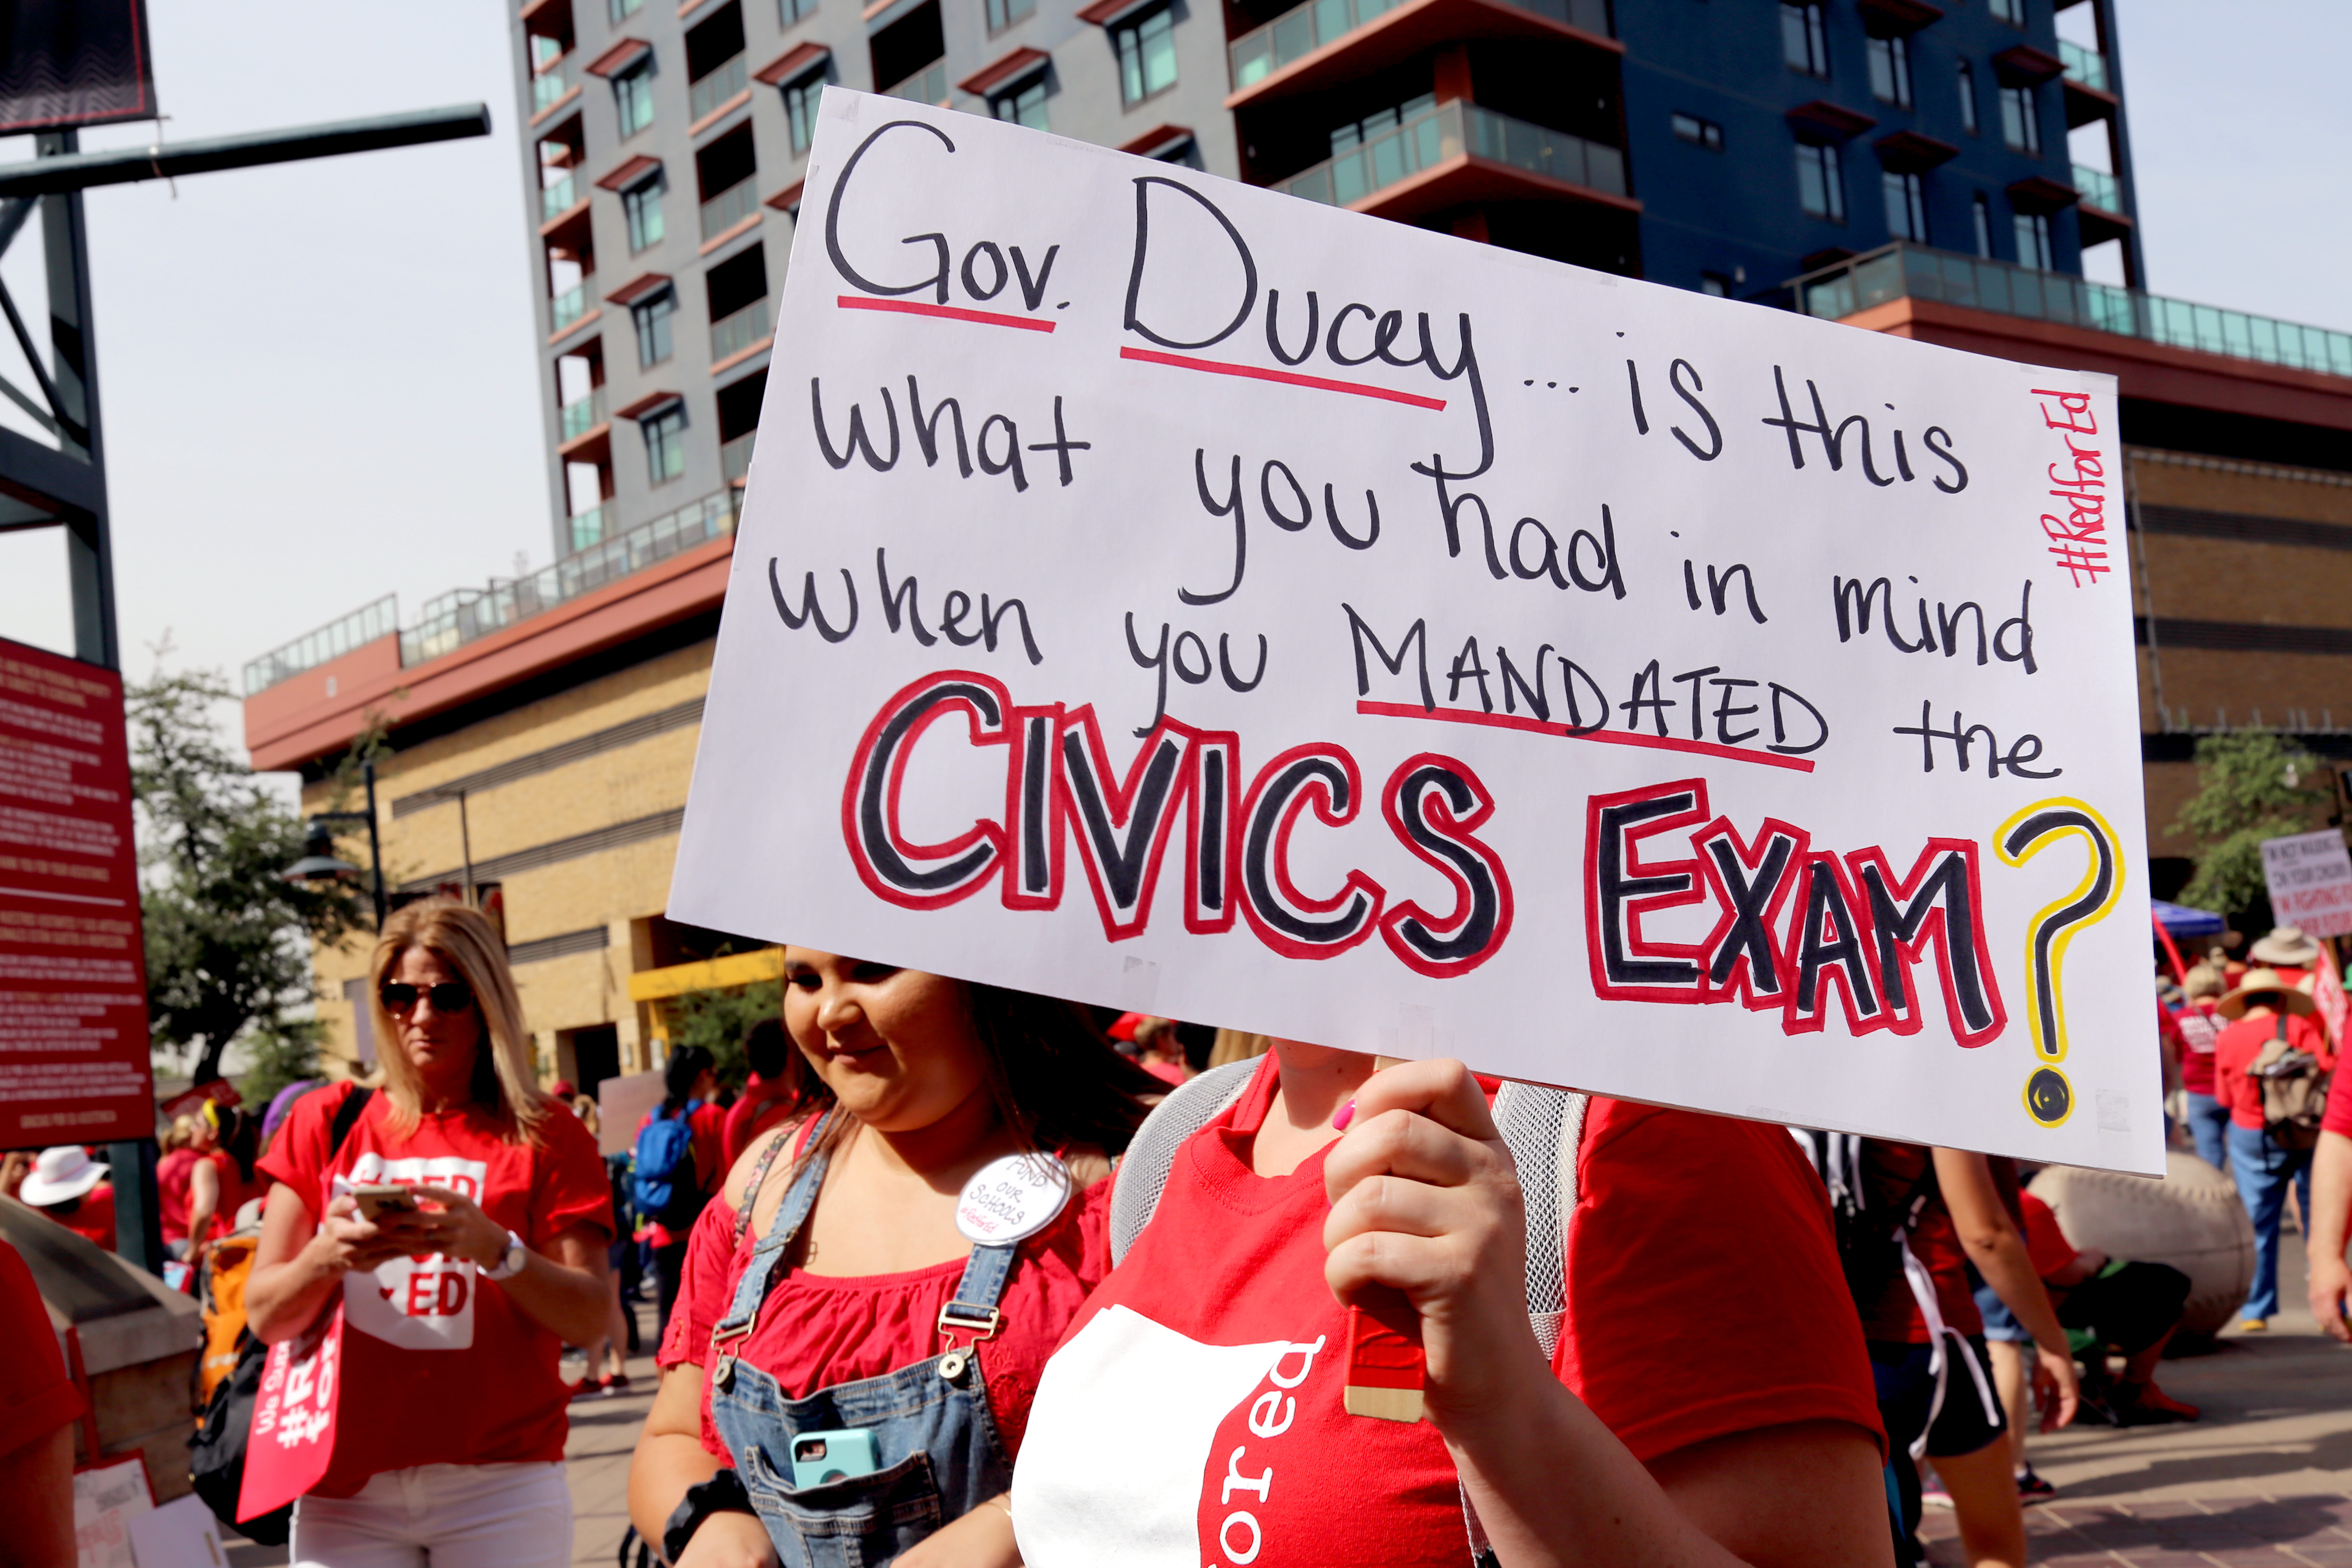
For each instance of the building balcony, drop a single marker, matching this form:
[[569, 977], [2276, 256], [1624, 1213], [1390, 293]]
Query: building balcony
[[582, 417], [1458, 152], [2099, 190], [730, 207], [548, 88], [569, 306], [735, 457], [2087, 66], [928, 85], [704, 98], [1326, 41], [327, 643], [1901, 269], [738, 333], [558, 198], [466, 615]]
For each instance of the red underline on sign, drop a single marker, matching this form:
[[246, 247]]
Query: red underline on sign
[[1323, 384], [1614, 737], [952, 312]]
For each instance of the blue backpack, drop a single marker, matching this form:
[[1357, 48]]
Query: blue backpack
[[665, 1185]]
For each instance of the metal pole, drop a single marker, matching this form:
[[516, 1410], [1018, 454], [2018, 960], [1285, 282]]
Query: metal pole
[[466, 846], [375, 845], [55, 175]]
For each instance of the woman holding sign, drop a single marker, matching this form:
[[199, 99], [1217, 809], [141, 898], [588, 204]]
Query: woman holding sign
[[869, 1304], [450, 1230], [1705, 1401]]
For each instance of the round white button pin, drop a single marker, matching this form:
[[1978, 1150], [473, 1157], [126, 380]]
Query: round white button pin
[[1012, 1198]]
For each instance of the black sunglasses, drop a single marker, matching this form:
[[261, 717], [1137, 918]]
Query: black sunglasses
[[449, 996]]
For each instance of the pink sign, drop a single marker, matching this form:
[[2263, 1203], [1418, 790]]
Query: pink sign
[[293, 1437], [2310, 877]]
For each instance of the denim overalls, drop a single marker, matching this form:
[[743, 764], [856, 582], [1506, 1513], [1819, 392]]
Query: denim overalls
[[934, 1437]]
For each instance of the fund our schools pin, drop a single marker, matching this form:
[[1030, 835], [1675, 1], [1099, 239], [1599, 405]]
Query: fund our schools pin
[[1011, 1198]]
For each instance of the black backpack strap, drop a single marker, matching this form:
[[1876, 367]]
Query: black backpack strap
[[347, 1116]]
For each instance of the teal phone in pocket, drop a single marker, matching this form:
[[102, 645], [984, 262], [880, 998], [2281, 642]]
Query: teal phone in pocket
[[819, 1457]]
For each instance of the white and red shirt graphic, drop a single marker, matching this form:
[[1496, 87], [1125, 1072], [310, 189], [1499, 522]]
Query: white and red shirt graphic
[[439, 1365], [1191, 1417]]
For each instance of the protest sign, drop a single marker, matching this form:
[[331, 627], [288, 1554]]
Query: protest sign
[[1180, 596], [2310, 879]]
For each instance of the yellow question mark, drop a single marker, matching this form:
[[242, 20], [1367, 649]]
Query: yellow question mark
[[2049, 1097]]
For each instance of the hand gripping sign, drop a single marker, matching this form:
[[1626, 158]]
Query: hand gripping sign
[[1184, 597]]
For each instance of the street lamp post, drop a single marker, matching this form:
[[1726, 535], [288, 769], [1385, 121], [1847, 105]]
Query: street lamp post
[[318, 862]]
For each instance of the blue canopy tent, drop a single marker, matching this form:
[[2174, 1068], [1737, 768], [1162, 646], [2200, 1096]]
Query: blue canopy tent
[[2178, 921]]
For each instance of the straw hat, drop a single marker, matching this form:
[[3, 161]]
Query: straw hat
[[2287, 945], [2258, 981], [61, 1174], [2204, 979]]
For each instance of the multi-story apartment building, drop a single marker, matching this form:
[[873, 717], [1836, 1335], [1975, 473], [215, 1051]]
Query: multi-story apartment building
[[1718, 144], [1944, 172]]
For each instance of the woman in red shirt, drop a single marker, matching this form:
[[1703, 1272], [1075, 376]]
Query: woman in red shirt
[[450, 1417], [2198, 1026], [226, 1178], [172, 1172], [2265, 1007], [1706, 1400], [838, 1286]]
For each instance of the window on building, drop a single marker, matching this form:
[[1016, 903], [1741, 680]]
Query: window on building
[[665, 444], [1699, 133], [641, 204], [1003, 13], [789, 12], [1820, 181], [1890, 71], [652, 315], [800, 110], [1147, 55], [1355, 134], [1022, 105], [633, 96], [2021, 120], [1966, 81], [622, 10], [1981, 207], [2010, 11], [2034, 241], [1804, 40], [1906, 205]]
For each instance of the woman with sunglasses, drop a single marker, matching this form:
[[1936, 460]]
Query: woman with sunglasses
[[848, 1373], [484, 1259]]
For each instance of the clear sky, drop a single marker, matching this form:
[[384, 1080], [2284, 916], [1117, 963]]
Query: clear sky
[[319, 378]]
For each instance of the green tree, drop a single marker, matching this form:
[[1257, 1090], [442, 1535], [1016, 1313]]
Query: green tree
[[2254, 786], [279, 1051], [227, 939], [718, 1021]]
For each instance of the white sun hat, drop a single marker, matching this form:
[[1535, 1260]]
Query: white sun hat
[[60, 1173]]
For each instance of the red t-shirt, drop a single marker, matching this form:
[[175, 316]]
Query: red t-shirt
[[92, 1218], [2337, 1118], [236, 1192], [2197, 1029], [440, 1365], [36, 1397], [172, 1173], [1192, 1414], [2235, 1051], [817, 1330], [1166, 1072], [2045, 1244], [766, 1102]]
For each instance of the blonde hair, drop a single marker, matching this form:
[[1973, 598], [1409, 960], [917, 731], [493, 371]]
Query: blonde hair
[[182, 1134], [505, 1073], [1234, 1046], [584, 1106], [2203, 980]]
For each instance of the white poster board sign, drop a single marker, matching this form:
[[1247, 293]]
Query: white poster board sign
[[1177, 595], [2310, 877]]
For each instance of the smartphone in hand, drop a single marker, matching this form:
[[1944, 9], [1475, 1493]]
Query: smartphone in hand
[[379, 1200]]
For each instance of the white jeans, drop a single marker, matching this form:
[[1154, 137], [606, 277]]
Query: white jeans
[[450, 1515]]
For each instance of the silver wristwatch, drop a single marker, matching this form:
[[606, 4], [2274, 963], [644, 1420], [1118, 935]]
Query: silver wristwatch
[[510, 1261]]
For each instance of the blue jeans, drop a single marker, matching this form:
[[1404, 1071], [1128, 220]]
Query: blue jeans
[[2262, 1170], [2207, 1118]]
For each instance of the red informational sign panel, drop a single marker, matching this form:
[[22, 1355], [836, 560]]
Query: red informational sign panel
[[73, 994]]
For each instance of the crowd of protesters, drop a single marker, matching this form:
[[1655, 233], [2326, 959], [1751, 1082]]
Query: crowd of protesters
[[847, 1375]]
